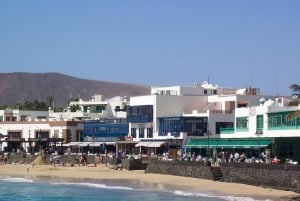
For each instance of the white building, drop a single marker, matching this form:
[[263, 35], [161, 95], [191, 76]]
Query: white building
[[183, 113], [95, 108], [23, 129]]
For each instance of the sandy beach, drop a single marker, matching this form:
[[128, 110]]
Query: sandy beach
[[157, 180]]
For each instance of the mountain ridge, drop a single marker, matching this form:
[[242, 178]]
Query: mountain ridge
[[18, 87]]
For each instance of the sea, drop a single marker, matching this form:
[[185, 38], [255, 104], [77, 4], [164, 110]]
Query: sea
[[49, 189]]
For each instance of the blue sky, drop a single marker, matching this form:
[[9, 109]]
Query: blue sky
[[157, 42]]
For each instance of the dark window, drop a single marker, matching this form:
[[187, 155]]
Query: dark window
[[133, 132], [141, 133], [223, 125], [170, 125], [196, 126], [14, 135], [149, 132], [106, 129], [139, 114]]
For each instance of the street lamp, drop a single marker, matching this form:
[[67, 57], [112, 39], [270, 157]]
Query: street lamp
[[259, 133], [1, 136], [208, 148], [29, 142], [105, 151]]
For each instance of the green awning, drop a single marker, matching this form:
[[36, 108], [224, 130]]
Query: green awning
[[229, 143]]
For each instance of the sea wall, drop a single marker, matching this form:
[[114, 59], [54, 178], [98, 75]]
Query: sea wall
[[285, 177], [181, 168]]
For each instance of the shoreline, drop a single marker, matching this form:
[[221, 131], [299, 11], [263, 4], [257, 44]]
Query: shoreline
[[149, 180]]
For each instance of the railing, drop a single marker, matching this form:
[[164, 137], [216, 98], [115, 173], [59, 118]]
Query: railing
[[284, 127], [14, 139], [226, 130], [242, 129], [222, 111]]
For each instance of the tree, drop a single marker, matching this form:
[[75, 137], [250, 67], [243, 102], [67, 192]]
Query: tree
[[295, 87], [50, 101]]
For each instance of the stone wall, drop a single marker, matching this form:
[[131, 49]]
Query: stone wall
[[286, 177], [283, 177], [181, 168]]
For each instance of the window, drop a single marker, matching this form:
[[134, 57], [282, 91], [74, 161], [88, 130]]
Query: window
[[14, 135], [149, 132], [133, 132], [41, 117], [196, 126], [225, 127], [99, 109], [280, 120], [23, 117], [141, 132], [56, 133], [170, 125], [242, 123], [259, 123], [139, 114], [42, 134]]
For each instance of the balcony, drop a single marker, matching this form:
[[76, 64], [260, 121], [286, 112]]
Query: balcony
[[227, 130]]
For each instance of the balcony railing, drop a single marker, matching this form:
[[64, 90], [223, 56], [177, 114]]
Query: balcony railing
[[226, 130]]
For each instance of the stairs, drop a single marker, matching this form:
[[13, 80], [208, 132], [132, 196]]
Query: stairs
[[217, 173]]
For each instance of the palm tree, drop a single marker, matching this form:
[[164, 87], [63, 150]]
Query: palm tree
[[50, 100], [295, 87]]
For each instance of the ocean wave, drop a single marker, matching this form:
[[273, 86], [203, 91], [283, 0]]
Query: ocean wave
[[207, 194], [95, 185], [17, 180]]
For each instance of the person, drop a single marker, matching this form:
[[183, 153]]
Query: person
[[262, 157], [100, 159], [236, 157], [243, 157], [276, 160], [119, 164], [231, 157], [51, 160]]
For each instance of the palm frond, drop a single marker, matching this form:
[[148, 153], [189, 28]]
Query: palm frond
[[295, 87], [293, 115]]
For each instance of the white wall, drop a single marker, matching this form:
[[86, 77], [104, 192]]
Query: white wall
[[252, 112]]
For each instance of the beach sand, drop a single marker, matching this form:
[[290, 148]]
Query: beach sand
[[155, 180]]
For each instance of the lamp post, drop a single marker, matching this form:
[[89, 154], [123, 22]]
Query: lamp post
[[40, 141], [258, 133], [208, 148], [105, 151], [29, 141], [1, 136]]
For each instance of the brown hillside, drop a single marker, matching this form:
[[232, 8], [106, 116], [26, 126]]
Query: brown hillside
[[19, 87]]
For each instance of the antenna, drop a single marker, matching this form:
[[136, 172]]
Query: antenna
[[276, 85]]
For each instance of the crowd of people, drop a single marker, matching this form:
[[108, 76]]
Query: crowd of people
[[227, 157]]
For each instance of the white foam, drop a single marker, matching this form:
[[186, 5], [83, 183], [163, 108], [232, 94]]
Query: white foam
[[17, 180], [95, 185], [207, 194]]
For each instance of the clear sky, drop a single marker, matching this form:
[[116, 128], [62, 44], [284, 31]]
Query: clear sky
[[157, 42]]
